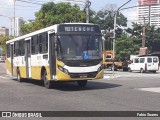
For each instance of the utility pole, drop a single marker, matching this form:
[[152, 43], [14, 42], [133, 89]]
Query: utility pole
[[88, 3], [143, 34], [114, 36], [14, 1]]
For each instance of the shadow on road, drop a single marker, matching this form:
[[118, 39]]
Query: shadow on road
[[91, 85], [71, 86]]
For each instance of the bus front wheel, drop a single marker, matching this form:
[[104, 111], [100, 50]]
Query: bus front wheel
[[47, 83], [82, 83]]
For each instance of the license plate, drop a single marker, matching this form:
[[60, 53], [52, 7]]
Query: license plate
[[83, 76]]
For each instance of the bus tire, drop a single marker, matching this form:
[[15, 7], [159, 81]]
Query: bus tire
[[19, 79], [47, 83], [82, 83]]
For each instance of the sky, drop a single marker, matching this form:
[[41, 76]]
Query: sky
[[27, 10]]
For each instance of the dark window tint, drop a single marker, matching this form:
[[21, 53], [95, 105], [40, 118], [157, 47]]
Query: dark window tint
[[34, 44], [155, 60], [39, 43], [8, 50], [142, 60], [136, 60], [16, 48], [21, 48], [149, 60]]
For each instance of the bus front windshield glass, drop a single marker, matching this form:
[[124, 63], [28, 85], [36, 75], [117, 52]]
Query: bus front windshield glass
[[79, 47]]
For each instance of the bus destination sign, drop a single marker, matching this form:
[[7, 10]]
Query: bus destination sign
[[79, 28]]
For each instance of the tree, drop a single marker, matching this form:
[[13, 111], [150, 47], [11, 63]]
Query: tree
[[3, 40], [51, 14], [152, 37], [105, 18], [125, 46]]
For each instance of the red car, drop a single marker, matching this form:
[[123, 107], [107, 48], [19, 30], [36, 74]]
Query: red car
[[2, 57]]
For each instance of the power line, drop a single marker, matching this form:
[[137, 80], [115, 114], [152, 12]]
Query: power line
[[36, 1], [16, 5], [29, 2]]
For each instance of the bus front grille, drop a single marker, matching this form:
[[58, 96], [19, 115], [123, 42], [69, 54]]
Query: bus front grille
[[83, 75]]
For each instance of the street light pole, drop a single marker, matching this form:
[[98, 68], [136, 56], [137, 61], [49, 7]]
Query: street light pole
[[14, 1], [114, 36], [88, 3], [10, 18]]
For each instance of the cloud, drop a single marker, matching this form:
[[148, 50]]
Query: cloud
[[131, 15], [6, 9], [4, 5]]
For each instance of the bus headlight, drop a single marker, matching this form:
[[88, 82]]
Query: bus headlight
[[63, 69]]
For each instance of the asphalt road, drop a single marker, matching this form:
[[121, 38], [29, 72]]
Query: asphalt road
[[122, 92]]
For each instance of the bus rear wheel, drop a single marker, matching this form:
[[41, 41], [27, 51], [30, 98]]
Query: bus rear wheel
[[82, 83], [47, 83]]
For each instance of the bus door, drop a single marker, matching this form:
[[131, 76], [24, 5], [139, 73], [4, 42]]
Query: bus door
[[52, 54], [28, 57], [12, 56]]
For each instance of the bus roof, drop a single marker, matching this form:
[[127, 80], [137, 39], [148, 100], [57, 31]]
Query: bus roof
[[50, 28]]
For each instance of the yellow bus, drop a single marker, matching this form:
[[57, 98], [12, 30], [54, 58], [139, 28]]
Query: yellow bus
[[62, 52]]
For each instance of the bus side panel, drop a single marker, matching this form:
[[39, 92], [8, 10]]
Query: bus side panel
[[23, 71], [36, 72], [8, 66]]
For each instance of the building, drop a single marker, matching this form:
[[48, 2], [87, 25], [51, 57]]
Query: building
[[18, 22], [149, 12], [148, 2], [4, 31]]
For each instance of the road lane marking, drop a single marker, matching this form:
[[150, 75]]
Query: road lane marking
[[3, 77], [155, 89], [111, 76]]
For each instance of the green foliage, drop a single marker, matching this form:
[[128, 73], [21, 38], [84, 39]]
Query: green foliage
[[51, 14], [3, 40], [125, 46], [105, 19], [152, 36]]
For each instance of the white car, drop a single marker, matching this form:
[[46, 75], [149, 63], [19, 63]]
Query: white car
[[144, 63]]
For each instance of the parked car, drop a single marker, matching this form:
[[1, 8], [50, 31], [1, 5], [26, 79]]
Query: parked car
[[2, 57], [144, 63]]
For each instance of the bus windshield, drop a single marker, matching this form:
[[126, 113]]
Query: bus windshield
[[79, 47]]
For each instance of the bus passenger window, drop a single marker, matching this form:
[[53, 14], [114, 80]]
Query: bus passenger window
[[40, 48], [8, 50], [34, 45]]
